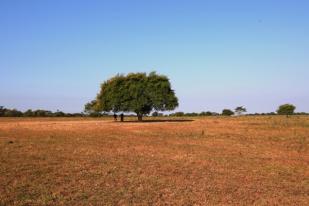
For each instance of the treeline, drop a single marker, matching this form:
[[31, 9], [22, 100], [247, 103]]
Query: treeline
[[273, 113], [194, 114], [5, 112], [285, 109]]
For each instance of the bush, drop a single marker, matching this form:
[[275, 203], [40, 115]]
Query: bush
[[227, 112]]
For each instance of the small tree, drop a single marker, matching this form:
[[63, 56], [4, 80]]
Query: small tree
[[28, 113], [240, 110], [227, 112], [286, 109]]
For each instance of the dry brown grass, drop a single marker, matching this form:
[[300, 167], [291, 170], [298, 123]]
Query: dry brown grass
[[210, 161]]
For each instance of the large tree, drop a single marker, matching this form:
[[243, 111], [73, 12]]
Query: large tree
[[136, 92]]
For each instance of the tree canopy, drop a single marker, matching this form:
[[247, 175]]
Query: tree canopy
[[286, 109], [136, 92], [227, 112]]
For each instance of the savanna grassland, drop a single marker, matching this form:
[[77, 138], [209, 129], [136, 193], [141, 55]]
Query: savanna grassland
[[208, 161]]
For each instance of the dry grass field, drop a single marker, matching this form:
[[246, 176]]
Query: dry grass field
[[208, 161]]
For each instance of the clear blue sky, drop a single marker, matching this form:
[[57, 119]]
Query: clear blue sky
[[218, 54]]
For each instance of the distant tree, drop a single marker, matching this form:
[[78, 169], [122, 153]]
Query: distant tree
[[177, 114], [157, 114], [240, 110], [208, 113], [2, 111], [36, 113], [301, 113], [227, 112], [59, 113], [42, 113], [12, 113], [78, 115], [95, 114], [28, 113], [192, 114], [272, 113], [286, 109], [135, 92]]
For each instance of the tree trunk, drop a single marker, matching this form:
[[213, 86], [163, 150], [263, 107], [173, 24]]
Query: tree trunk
[[140, 117]]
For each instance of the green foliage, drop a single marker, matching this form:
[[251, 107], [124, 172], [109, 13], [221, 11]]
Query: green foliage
[[135, 92], [4, 112], [286, 109], [240, 110], [91, 108], [42, 113], [12, 113], [227, 112], [208, 113], [96, 114], [192, 114], [28, 113], [157, 114], [177, 114], [59, 114]]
